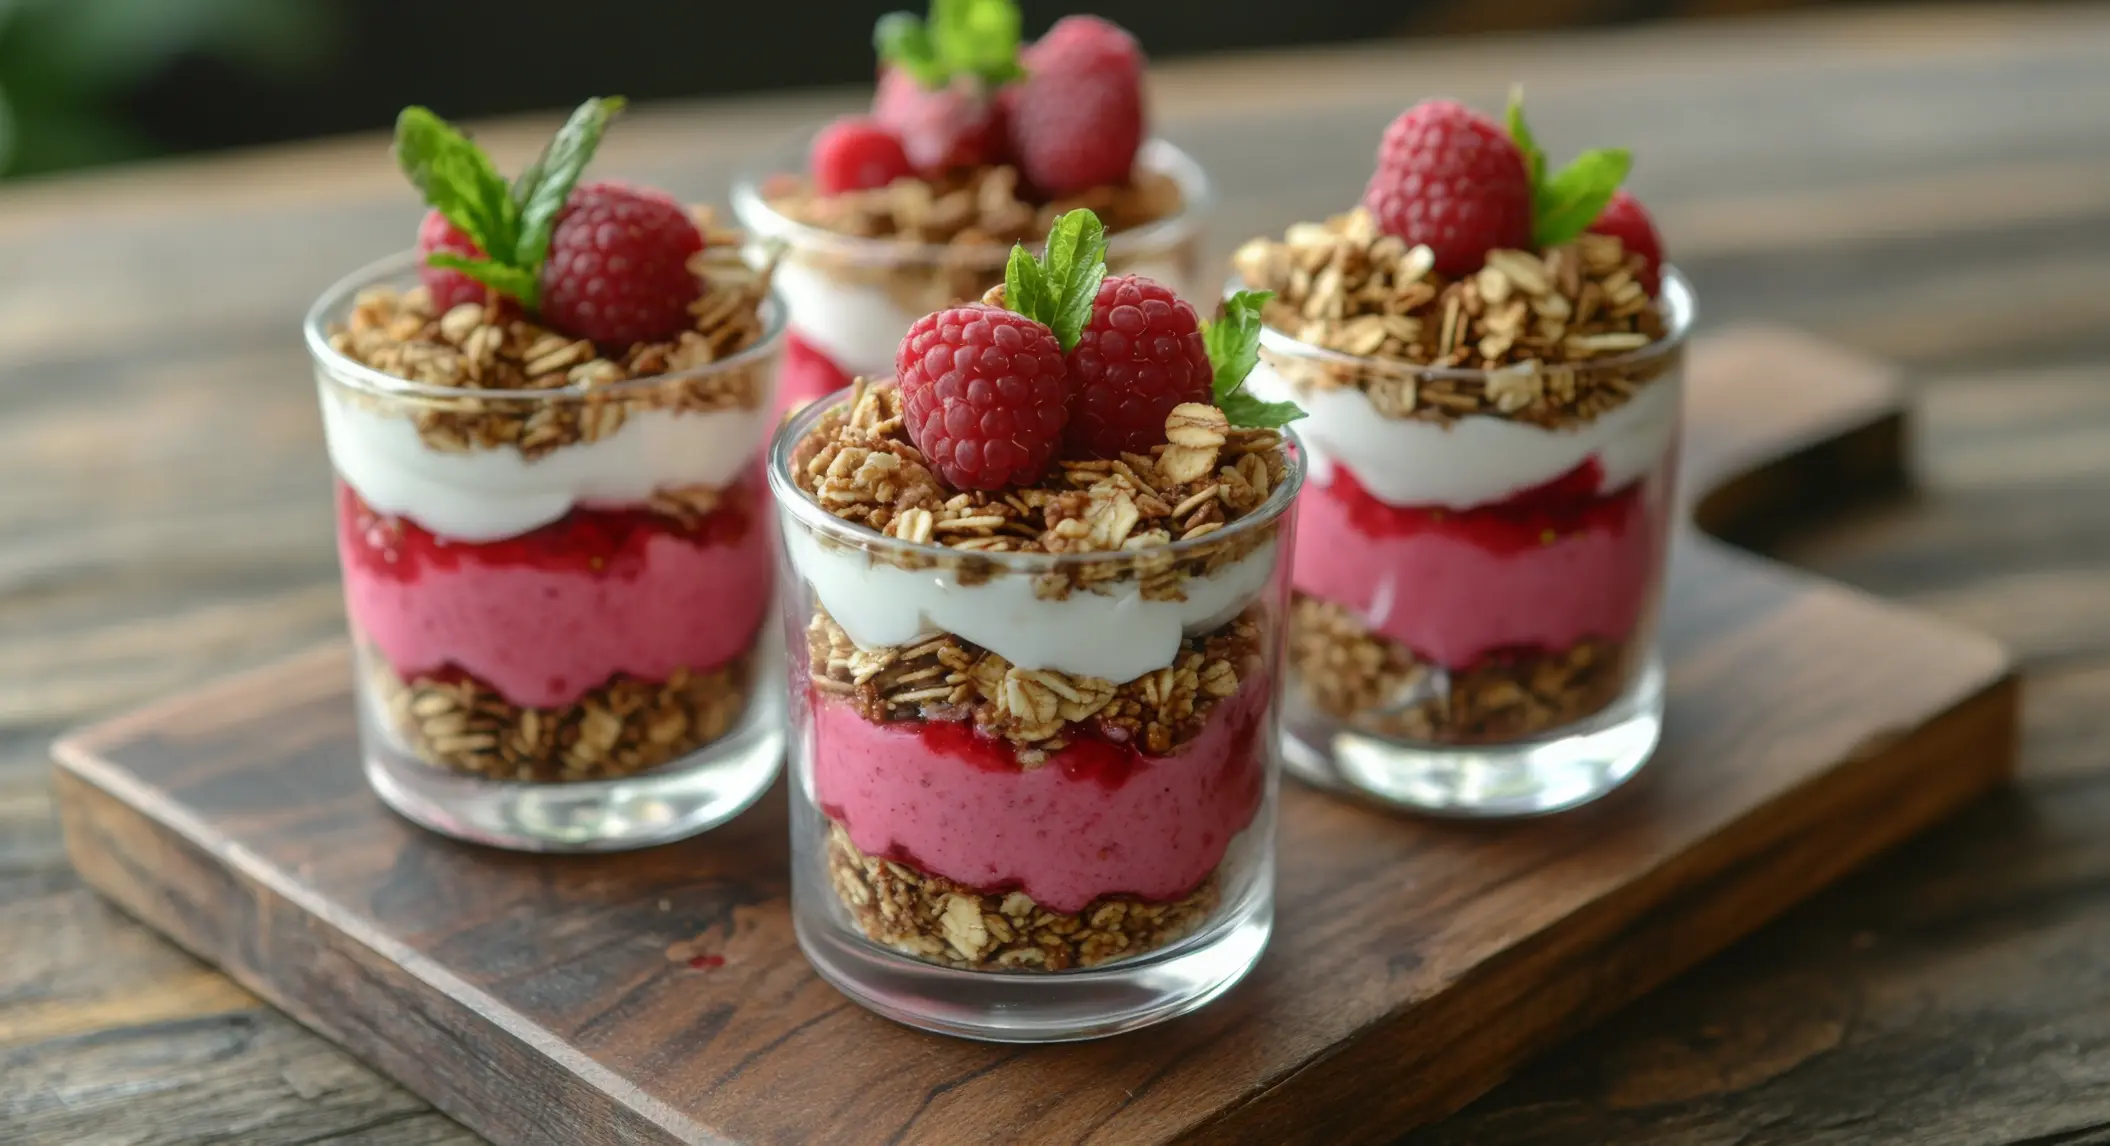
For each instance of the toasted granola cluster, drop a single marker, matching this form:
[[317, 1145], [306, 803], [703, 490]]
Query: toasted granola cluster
[[624, 727], [474, 347], [858, 463], [1548, 328], [1039, 710], [1371, 682], [981, 207], [977, 213], [935, 919]]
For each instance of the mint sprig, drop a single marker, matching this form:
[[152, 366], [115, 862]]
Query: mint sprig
[[1057, 290], [1564, 205], [973, 38], [1233, 342], [512, 223]]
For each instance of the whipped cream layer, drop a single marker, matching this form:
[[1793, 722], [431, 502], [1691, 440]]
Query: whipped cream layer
[[1115, 635], [859, 325], [1478, 460], [486, 495]]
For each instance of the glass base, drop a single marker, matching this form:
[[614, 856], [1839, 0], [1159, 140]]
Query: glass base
[[676, 800], [1574, 766], [1028, 1007]]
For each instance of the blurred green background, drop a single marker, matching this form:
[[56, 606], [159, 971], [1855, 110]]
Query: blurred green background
[[85, 82]]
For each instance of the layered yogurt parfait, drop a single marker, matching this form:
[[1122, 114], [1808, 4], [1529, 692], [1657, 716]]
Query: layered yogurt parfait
[[974, 140], [1492, 359], [547, 427], [1036, 586]]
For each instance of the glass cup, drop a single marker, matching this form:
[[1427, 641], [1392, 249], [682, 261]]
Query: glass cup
[[990, 836], [558, 597], [1474, 632], [852, 298]]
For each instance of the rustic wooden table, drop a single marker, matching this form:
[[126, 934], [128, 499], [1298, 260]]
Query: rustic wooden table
[[1930, 186]]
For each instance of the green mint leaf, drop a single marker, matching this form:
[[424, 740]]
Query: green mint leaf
[[1576, 195], [1243, 409], [456, 178], [1565, 205], [1058, 289], [1534, 159], [903, 40], [1233, 342], [541, 191], [1075, 265], [1026, 286], [505, 279], [977, 38]]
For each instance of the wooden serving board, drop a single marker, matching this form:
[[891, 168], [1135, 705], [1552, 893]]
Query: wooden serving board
[[659, 996]]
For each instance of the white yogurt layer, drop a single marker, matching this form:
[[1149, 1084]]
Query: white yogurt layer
[[859, 326], [485, 495], [1477, 460], [1116, 636]]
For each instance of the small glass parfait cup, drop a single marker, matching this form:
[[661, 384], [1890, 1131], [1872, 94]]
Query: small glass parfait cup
[[854, 294], [1033, 794], [556, 565], [1477, 578]]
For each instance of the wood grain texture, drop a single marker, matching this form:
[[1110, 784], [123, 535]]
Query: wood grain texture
[[544, 1000], [1924, 184]]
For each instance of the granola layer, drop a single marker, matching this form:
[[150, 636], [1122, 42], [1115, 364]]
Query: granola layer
[[976, 208], [937, 920], [582, 394], [1378, 685], [965, 224], [858, 463], [624, 727], [1039, 711], [1551, 334]]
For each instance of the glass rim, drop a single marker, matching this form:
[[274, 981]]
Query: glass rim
[[1675, 295], [800, 504], [765, 223], [337, 298]]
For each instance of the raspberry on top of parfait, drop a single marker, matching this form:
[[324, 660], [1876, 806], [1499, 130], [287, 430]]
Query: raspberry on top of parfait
[[548, 283], [975, 137], [1467, 253], [1068, 412]]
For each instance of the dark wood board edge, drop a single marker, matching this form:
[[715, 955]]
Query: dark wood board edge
[[1585, 971], [300, 956], [1864, 464]]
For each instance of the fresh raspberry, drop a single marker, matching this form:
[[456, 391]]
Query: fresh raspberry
[[1140, 356], [1627, 220], [618, 268], [986, 395], [942, 129], [855, 153], [1077, 118], [449, 288], [1453, 179]]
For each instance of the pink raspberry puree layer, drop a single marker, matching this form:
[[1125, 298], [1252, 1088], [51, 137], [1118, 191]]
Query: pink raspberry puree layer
[[546, 616], [1542, 570], [1097, 819]]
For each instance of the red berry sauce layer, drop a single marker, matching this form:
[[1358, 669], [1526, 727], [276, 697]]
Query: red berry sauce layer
[[605, 543]]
